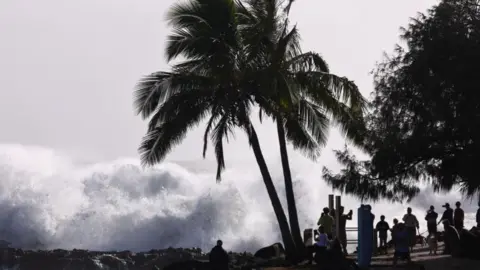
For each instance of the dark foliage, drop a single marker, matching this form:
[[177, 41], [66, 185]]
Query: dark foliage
[[424, 122]]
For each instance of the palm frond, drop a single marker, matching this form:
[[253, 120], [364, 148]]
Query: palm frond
[[154, 89], [159, 141], [202, 29], [307, 129], [310, 61], [221, 131]]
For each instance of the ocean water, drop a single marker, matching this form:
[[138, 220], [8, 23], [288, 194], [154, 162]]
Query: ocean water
[[47, 200]]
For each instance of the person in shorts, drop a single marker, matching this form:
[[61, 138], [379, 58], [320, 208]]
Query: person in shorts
[[383, 228]]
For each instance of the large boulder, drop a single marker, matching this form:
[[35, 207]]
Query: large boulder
[[270, 252], [470, 245], [452, 241]]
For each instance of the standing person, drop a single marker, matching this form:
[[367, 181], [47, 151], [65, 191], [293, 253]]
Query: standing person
[[382, 228], [411, 224], [431, 219], [478, 216], [334, 224], [342, 234], [458, 217], [447, 214], [218, 257], [326, 221], [401, 241]]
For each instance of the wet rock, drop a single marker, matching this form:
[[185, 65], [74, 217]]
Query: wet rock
[[188, 265], [273, 251]]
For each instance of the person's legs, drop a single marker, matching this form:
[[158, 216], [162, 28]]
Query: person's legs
[[343, 240]]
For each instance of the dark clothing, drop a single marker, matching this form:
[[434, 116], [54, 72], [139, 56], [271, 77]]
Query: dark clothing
[[458, 218], [218, 258], [412, 235], [382, 228], [478, 217], [448, 215], [431, 219], [342, 234]]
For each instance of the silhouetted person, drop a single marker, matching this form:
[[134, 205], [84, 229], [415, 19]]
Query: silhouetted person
[[332, 213], [478, 216], [447, 214], [401, 240], [458, 217], [320, 246], [411, 225], [383, 228], [395, 223], [218, 257], [342, 234], [431, 219], [326, 221]]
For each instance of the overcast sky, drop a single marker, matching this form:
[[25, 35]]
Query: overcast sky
[[67, 68]]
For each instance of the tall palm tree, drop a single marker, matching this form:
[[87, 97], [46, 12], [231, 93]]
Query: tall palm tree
[[216, 78], [299, 93]]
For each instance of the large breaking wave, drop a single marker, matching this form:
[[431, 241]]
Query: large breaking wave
[[48, 200]]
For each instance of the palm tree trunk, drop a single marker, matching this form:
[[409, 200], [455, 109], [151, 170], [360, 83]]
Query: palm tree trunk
[[292, 208], [272, 193]]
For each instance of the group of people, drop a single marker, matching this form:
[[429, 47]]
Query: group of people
[[404, 234], [327, 227]]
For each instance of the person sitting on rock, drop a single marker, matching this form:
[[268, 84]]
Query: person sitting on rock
[[402, 243], [218, 257], [326, 221], [320, 246]]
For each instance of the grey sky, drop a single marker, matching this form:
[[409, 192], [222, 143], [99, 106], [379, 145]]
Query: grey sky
[[67, 68]]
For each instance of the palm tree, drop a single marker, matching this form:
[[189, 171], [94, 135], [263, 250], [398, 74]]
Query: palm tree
[[299, 93], [216, 78]]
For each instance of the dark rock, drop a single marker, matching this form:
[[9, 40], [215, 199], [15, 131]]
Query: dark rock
[[112, 262], [188, 265], [4, 244], [273, 251]]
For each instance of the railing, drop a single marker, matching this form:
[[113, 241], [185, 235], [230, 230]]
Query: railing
[[308, 236]]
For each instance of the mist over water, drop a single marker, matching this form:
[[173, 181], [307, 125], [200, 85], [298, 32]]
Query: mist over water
[[48, 198]]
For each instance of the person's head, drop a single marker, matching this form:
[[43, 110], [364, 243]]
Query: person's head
[[382, 218], [326, 210], [219, 243], [342, 210], [321, 229], [432, 208], [409, 210], [395, 221], [458, 204], [400, 226], [369, 207], [447, 205]]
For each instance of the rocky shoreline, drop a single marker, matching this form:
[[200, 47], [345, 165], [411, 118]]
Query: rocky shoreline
[[171, 258]]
